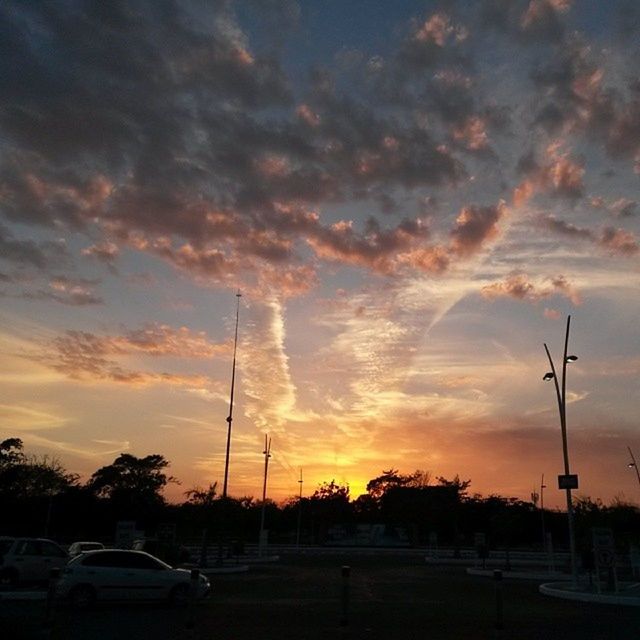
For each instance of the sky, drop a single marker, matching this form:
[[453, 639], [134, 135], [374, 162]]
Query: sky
[[411, 197]]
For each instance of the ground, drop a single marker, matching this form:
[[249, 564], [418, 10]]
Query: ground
[[389, 597]]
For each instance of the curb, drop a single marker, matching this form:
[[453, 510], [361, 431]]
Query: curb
[[521, 575], [563, 590]]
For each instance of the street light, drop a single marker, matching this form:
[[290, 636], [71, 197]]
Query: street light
[[632, 464], [562, 408]]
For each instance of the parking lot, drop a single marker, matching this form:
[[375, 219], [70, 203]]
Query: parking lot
[[301, 598]]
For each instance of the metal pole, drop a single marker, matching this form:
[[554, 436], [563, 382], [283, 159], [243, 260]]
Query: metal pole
[[633, 463], [267, 455], [544, 535], [561, 396], [230, 417], [299, 511]]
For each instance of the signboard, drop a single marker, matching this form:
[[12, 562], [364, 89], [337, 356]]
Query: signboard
[[125, 533], [604, 551], [569, 481], [606, 558], [166, 532]]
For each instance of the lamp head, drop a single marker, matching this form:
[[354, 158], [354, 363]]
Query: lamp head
[[548, 376], [572, 358], [631, 465]]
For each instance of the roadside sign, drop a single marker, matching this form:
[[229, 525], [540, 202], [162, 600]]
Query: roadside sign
[[603, 538], [166, 532], [604, 550], [568, 481], [606, 558], [125, 533]]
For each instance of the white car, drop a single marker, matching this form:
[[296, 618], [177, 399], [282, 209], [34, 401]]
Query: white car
[[115, 574], [82, 547], [29, 559]]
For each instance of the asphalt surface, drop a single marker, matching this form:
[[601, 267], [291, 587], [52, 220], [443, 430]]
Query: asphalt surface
[[302, 598]]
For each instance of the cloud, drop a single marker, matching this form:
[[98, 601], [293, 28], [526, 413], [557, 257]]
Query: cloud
[[559, 175], [264, 366], [620, 208], [105, 251], [30, 253], [475, 226], [618, 241], [520, 287], [29, 417], [86, 356], [614, 241]]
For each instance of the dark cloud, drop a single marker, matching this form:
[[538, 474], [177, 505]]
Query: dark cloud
[[614, 241], [564, 228], [30, 253], [165, 128], [526, 20], [474, 226]]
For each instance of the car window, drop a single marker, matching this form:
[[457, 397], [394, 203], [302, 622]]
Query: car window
[[50, 549], [122, 560], [106, 559], [141, 561], [28, 548], [91, 546]]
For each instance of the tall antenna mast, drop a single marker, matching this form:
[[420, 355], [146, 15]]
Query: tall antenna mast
[[267, 455], [299, 511], [230, 417]]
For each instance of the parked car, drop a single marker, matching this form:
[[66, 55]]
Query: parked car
[[82, 547], [29, 559], [118, 574]]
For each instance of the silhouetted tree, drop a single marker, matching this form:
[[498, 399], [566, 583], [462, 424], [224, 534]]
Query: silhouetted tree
[[202, 497], [329, 505], [391, 479], [24, 476], [11, 452], [132, 483]]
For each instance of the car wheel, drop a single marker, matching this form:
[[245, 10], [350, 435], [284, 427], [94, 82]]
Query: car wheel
[[82, 596], [9, 578], [179, 595]]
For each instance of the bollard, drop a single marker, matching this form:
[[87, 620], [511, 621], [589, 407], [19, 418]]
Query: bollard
[[193, 594], [346, 572], [54, 576], [497, 576]]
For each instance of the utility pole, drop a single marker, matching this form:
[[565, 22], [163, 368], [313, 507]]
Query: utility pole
[[299, 511], [267, 455]]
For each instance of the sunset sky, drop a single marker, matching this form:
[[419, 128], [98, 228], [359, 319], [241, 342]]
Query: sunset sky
[[410, 196]]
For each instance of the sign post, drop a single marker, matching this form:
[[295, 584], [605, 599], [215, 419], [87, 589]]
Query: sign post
[[568, 481], [604, 551]]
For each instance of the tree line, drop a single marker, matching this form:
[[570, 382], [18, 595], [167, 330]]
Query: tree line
[[38, 496]]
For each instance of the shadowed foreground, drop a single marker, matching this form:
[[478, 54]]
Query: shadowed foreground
[[390, 597]]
